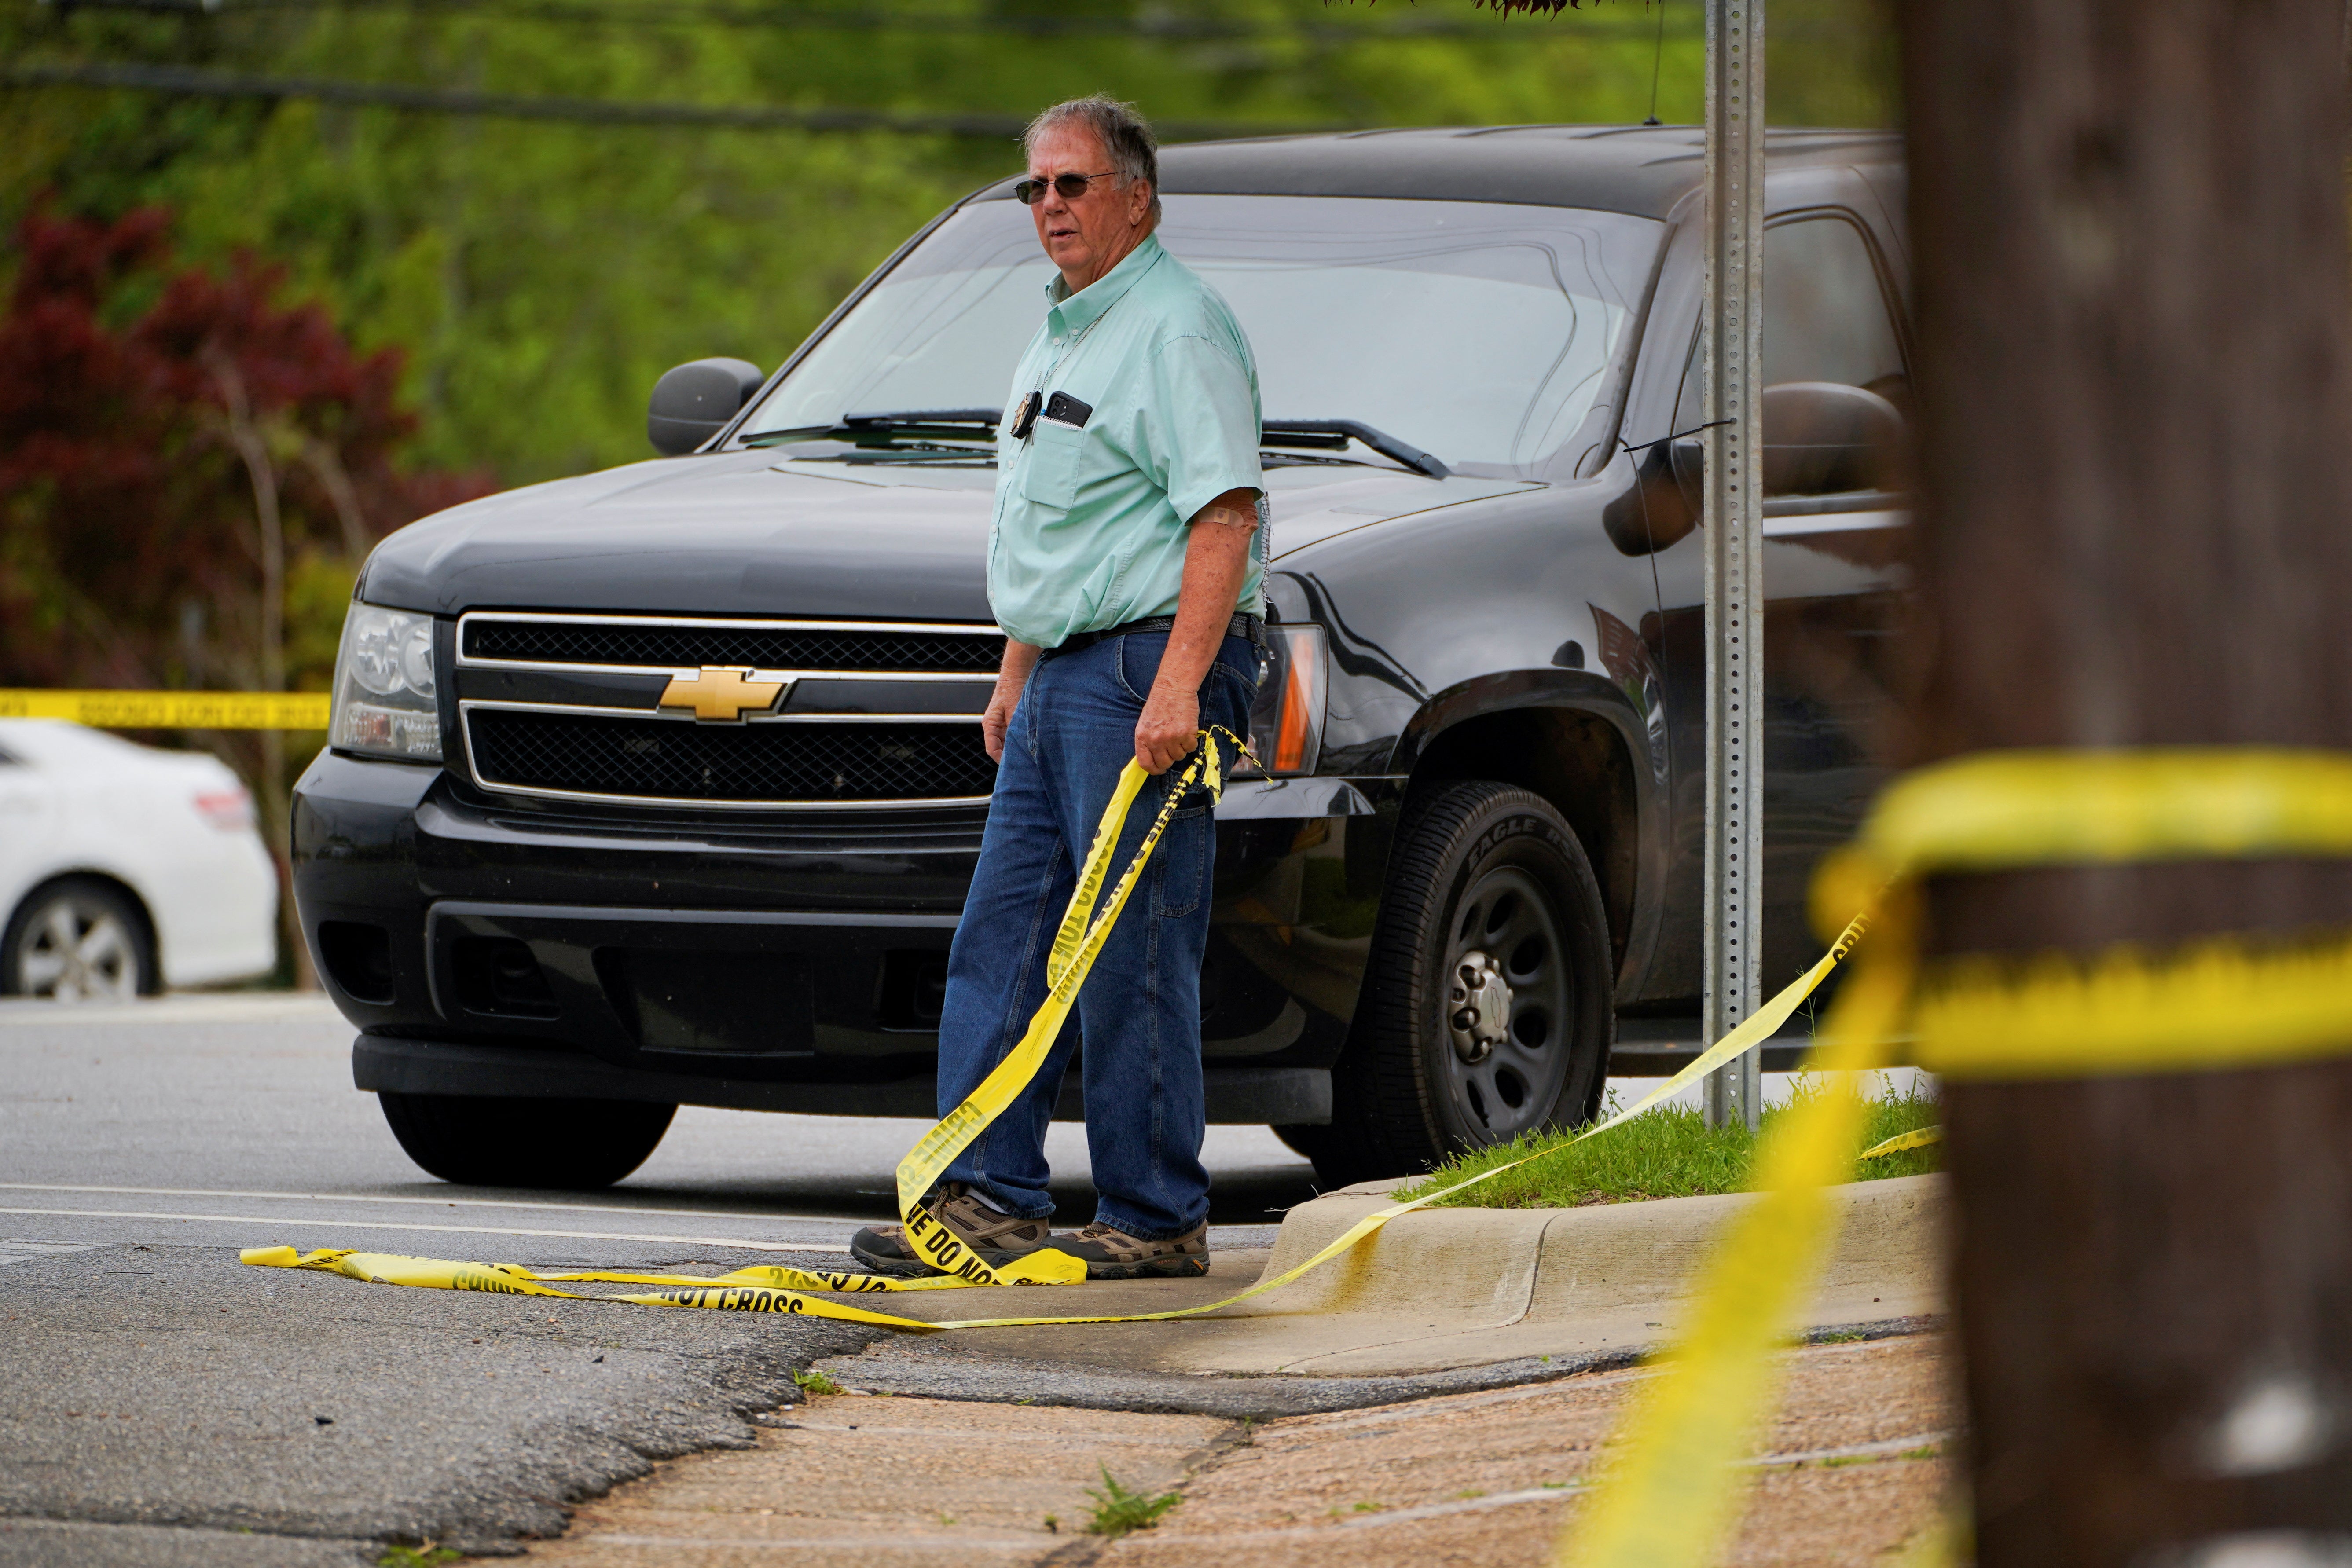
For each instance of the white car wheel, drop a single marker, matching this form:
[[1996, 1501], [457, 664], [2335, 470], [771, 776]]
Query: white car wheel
[[77, 941]]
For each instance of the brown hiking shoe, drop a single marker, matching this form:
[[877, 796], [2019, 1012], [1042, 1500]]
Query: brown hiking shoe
[[997, 1238], [1112, 1254]]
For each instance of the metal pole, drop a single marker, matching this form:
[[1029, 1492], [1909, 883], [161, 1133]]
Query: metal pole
[[1735, 564]]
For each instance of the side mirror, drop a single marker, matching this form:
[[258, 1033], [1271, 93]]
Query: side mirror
[[1823, 439], [1664, 504], [691, 403]]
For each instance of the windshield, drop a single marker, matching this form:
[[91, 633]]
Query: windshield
[[1482, 333]]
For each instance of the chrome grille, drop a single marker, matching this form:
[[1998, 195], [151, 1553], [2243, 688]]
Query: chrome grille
[[652, 758], [641, 645], [559, 705]]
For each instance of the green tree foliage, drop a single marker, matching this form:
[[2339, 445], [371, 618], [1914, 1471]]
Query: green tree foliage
[[540, 274]]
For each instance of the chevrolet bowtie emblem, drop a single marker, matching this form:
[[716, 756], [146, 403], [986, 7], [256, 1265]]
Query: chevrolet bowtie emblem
[[718, 692]]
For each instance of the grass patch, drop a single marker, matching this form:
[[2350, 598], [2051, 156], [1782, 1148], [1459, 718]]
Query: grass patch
[[1119, 1511], [815, 1382], [425, 1556], [1667, 1152]]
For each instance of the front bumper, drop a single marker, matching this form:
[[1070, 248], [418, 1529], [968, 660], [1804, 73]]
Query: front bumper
[[486, 946]]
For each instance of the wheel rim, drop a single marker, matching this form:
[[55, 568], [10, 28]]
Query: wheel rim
[[75, 952], [1507, 954]]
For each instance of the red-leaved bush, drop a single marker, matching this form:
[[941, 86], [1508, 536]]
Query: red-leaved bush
[[154, 421]]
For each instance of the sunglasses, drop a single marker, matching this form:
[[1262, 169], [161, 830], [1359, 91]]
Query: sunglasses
[[1072, 186]]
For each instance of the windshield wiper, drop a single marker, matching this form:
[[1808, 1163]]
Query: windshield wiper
[[923, 422], [915, 424], [980, 424], [1334, 433]]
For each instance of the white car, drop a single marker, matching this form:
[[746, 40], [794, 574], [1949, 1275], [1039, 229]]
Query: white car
[[125, 869]]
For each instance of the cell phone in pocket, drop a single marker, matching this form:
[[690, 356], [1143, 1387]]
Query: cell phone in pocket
[[1064, 409]]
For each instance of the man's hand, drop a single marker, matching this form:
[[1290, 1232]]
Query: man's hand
[[994, 721], [1170, 724], [1011, 675]]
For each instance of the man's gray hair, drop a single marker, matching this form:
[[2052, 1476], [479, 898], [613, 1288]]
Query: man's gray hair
[[1126, 138]]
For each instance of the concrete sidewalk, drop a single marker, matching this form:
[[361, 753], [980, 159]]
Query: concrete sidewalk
[[1851, 1467], [1439, 1394]]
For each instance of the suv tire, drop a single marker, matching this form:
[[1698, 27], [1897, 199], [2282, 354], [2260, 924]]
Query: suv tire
[[477, 1140], [1490, 900], [79, 939]]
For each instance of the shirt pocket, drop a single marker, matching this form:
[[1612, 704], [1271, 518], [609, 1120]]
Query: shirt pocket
[[1050, 475]]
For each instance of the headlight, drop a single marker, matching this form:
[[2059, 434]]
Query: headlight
[[384, 687], [1286, 719]]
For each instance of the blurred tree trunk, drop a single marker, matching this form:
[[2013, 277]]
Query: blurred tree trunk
[[251, 443], [2129, 216]]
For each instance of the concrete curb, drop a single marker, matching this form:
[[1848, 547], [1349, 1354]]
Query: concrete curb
[[1439, 1301], [1448, 1288], [1890, 1237]]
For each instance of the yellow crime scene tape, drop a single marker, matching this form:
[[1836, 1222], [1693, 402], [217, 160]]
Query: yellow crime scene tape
[[769, 1288], [1919, 1138], [1672, 1494], [172, 710]]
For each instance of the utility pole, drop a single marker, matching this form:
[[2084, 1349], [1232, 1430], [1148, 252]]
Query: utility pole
[[1733, 349], [2135, 398]]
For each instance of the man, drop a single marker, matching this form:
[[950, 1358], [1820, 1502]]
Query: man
[[1126, 565]]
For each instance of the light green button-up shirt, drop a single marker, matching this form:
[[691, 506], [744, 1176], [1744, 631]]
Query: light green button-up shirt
[[1091, 520]]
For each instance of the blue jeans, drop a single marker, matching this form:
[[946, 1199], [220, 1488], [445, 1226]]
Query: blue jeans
[[1139, 1010]]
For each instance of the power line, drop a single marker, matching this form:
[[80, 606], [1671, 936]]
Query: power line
[[193, 82], [1152, 28]]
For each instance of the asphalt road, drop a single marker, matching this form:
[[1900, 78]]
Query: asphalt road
[[161, 1403]]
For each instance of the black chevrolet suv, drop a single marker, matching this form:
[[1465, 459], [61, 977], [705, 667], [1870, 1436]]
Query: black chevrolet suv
[[663, 785]]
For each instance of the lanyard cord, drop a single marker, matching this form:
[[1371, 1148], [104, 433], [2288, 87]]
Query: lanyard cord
[[1080, 337]]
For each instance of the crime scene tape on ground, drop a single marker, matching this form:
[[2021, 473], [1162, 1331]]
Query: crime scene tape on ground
[[172, 710], [1672, 1494], [739, 1292], [1076, 944], [1917, 1138]]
